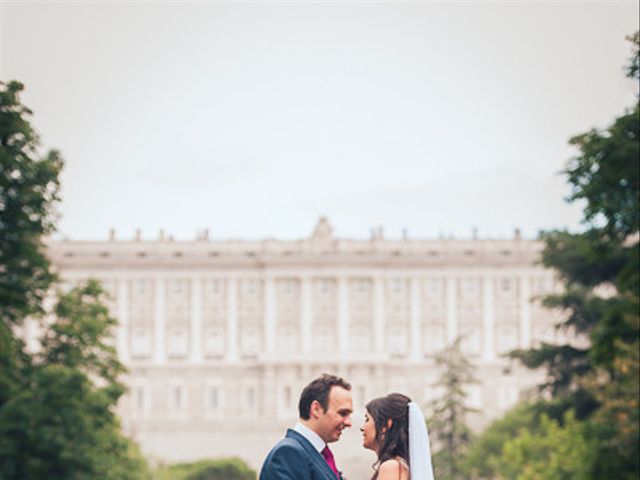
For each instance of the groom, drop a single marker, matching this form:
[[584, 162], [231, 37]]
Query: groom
[[325, 410]]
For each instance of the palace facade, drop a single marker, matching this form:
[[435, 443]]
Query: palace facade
[[220, 337]]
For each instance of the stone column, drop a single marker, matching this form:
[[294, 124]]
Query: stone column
[[269, 315], [123, 321], [415, 308], [525, 312], [159, 327], [452, 310], [196, 320], [488, 318], [306, 313], [378, 314], [343, 314], [232, 320]]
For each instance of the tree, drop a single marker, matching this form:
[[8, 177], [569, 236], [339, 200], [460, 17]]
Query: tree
[[56, 406], [599, 268], [486, 449], [28, 193], [447, 423], [561, 452], [29, 187], [78, 339], [219, 469], [61, 423]]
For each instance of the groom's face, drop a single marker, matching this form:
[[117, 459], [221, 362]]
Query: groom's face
[[337, 417]]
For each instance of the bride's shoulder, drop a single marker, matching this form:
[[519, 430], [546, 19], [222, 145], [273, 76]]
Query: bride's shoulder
[[392, 468], [387, 468]]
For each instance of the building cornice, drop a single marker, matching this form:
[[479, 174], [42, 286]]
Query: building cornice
[[376, 253]]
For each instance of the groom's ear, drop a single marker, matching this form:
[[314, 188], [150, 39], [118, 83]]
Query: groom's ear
[[316, 409]]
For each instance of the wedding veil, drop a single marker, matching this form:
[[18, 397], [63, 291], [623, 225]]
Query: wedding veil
[[419, 450]]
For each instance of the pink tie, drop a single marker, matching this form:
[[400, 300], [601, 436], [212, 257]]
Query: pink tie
[[328, 456]]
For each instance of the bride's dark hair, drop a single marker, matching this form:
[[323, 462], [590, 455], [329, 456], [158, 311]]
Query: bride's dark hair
[[391, 441]]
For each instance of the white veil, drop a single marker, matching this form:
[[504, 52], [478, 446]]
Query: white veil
[[419, 450]]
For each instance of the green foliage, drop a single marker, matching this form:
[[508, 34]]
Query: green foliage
[[78, 338], [60, 421], [615, 423], [601, 305], [447, 422], [220, 469], [602, 259], [554, 451], [605, 174], [62, 427], [28, 193], [528, 444], [486, 450], [56, 407]]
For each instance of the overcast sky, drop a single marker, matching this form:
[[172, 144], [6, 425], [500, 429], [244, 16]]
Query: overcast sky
[[254, 118]]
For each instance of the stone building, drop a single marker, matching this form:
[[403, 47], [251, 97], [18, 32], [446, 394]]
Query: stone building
[[220, 337]]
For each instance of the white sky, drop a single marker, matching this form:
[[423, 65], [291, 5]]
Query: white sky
[[252, 119]]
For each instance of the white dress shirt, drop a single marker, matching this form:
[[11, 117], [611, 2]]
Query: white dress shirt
[[310, 435]]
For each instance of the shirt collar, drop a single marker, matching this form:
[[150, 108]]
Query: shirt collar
[[310, 435]]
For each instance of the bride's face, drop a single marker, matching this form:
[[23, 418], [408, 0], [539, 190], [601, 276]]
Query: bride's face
[[369, 432]]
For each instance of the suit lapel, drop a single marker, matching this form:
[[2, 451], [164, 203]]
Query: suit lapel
[[314, 455]]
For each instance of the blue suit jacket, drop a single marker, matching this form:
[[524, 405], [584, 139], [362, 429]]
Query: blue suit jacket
[[294, 458]]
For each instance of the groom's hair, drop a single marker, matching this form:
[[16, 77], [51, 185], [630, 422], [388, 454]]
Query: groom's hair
[[319, 390]]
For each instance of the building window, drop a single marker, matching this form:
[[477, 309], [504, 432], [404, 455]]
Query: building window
[[322, 340], [178, 288], [288, 339], [250, 398], [141, 287], [212, 286], [470, 287], [507, 287], [178, 343], [214, 342], [249, 287], [178, 399], [398, 341], [141, 343], [434, 287], [214, 398], [361, 339], [250, 342], [397, 285], [141, 399]]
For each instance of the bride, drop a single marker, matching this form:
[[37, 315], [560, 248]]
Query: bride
[[396, 430]]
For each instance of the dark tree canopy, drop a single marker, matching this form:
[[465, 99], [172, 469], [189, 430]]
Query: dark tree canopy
[[29, 187]]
